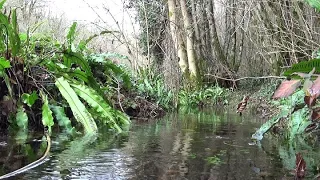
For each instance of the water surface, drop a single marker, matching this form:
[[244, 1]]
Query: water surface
[[199, 145]]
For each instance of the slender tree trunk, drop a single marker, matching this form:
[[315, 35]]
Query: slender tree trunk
[[215, 42], [195, 18], [192, 61], [177, 39], [231, 16]]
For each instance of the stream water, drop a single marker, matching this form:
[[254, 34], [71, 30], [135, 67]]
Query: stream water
[[199, 145]]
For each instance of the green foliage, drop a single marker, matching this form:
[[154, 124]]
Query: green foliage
[[214, 160], [22, 118], [83, 43], [71, 35], [29, 99], [2, 3], [205, 96], [79, 110], [304, 67], [297, 120], [62, 118], [102, 109], [268, 88], [4, 64], [107, 72], [152, 87], [314, 3], [37, 61], [47, 118], [76, 58]]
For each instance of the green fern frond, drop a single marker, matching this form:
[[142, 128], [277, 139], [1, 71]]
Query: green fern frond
[[78, 109], [62, 118], [2, 3], [71, 34], [304, 67], [76, 58], [97, 102]]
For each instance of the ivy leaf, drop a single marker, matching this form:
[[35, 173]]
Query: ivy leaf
[[29, 99], [286, 88], [4, 64], [47, 119], [22, 118]]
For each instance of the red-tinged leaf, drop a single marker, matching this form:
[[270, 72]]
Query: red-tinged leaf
[[286, 88], [311, 127], [315, 116], [315, 89], [310, 100], [300, 166]]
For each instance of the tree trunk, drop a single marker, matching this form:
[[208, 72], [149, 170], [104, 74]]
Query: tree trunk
[[177, 39], [192, 61], [215, 43]]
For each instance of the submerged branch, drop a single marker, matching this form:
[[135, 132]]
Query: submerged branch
[[33, 164]]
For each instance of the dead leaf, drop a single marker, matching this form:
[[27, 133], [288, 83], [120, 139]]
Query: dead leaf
[[310, 100], [300, 166], [315, 114], [242, 105], [286, 88], [311, 127]]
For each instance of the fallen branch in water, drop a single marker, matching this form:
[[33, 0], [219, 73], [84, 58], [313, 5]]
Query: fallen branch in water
[[243, 78], [33, 164]]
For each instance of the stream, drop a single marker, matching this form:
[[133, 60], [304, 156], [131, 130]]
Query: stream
[[211, 144]]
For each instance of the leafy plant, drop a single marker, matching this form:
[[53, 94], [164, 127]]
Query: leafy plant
[[34, 62], [152, 88], [29, 99], [78, 108], [47, 118], [299, 107], [314, 3], [62, 118], [22, 118], [304, 67], [214, 160], [204, 96]]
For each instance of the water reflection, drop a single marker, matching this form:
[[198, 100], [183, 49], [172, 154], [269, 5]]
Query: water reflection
[[206, 145]]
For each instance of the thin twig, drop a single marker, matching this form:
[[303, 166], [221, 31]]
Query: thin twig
[[243, 78]]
